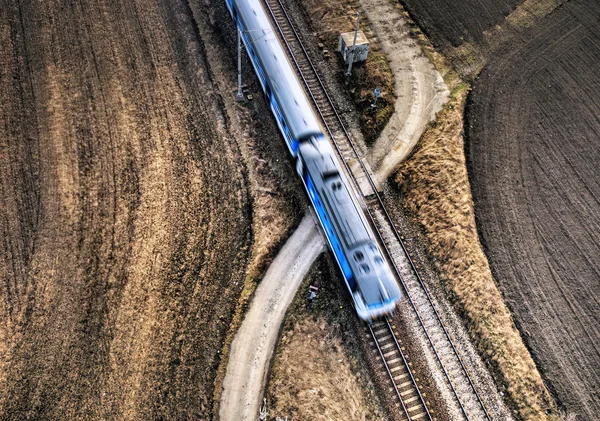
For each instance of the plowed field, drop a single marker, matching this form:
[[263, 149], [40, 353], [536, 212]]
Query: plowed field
[[452, 23], [125, 216], [534, 149]]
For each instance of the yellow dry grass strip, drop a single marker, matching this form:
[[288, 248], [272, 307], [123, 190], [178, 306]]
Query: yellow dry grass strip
[[312, 377], [437, 192]]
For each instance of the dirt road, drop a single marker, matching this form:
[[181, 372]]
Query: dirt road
[[534, 142], [420, 89], [253, 345], [124, 209]]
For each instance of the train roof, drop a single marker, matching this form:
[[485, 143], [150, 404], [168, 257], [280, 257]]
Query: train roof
[[283, 80], [329, 178]]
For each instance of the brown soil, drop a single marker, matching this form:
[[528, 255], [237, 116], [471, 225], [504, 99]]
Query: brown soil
[[452, 23], [125, 208], [469, 32], [533, 153]]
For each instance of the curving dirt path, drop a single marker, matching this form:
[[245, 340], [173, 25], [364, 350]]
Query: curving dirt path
[[421, 91], [534, 142], [253, 345]]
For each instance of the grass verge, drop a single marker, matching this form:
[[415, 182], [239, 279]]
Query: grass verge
[[319, 372], [330, 18], [436, 190]]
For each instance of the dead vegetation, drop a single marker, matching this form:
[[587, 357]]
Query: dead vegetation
[[330, 18], [436, 190], [318, 371], [313, 378]]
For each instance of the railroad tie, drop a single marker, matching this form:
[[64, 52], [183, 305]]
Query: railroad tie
[[401, 376], [400, 386], [409, 400], [393, 351], [407, 392], [386, 346]]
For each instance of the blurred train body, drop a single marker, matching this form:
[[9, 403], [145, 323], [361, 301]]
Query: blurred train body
[[368, 277]]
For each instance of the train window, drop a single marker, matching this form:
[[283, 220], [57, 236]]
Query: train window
[[358, 256], [378, 260], [373, 248], [364, 268]]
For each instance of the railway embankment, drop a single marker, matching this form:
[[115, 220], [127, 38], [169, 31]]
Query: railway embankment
[[438, 357], [435, 190]]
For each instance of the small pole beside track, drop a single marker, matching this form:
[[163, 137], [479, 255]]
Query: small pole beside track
[[239, 96], [349, 71]]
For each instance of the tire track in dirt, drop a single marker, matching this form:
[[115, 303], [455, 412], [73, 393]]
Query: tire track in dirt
[[533, 154], [420, 89], [254, 343]]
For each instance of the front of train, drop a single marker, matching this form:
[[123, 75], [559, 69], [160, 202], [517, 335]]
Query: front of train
[[377, 292]]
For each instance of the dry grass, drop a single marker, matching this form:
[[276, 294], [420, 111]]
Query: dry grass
[[436, 190], [319, 371], [330, 18], [313, 379]]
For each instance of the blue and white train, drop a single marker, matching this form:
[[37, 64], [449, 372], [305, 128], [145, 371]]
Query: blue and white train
[[367, 274]]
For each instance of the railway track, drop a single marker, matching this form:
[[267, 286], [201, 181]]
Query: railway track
[[394, 360], [456, 375]]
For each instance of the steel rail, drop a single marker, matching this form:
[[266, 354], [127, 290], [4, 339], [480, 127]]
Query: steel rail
[[378, 199], [391, 376]]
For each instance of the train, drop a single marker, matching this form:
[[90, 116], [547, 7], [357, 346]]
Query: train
[[367, 274]]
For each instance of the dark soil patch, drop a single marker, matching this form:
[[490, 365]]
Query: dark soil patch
[[451, 23], [534, 148]]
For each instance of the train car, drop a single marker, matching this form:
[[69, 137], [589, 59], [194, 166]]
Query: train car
[[367, 274], [289, 104]]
